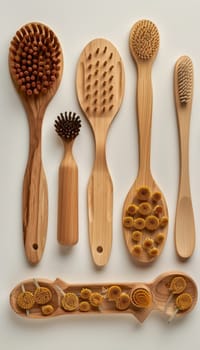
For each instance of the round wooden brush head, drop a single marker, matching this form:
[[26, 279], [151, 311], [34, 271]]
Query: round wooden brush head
[[144, 40], [68, 125], [35, 59]]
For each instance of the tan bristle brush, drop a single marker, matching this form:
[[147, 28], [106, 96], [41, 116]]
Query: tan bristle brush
[[36, 65], [184, 222], [100, 89], [68, 126], [145, 214]]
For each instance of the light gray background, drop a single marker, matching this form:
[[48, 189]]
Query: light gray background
[[76, 23]]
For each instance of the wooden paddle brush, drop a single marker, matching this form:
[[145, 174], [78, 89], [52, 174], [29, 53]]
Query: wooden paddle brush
[[68, 126], [100, 90], [36, 64], [184, 222]]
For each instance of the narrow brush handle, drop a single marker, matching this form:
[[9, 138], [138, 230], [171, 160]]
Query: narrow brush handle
[[35, 199], [184, 220], [67, 231], [144, 114], [100, 204]]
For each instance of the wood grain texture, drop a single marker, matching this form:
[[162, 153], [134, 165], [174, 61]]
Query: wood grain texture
[[144, 98], [67, 231], [184, 230], [159, 289], [100, 89], [35, 193]]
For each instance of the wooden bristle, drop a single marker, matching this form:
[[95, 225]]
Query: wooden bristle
[[35, 56], [102, 75], [68, 125], [144, 39], [185, 79]]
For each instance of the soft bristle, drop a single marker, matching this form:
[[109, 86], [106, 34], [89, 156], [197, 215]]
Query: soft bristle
[[68, 125], [185, 78], [35, 58], [144, 39]]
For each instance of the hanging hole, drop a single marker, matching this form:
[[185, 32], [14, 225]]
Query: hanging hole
[[100, 249], [35, 246]]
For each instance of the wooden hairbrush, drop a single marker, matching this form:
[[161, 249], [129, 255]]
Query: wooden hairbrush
[[43, 298], [100, 89], [67, 127], [145, 214], [184, 222], [36, 65]]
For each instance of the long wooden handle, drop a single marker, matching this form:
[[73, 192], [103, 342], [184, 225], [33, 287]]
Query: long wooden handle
[[35, 201], [67, 231], [100, 205], [144, 114], [184, 223]]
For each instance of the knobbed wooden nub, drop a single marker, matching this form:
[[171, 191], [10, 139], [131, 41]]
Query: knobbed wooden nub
[[36, 58], [68, 125]]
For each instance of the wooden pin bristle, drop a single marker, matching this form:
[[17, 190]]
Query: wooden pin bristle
[[35, 57], [97, 51]]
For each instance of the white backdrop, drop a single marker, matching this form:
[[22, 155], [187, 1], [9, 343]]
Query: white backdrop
[[76, 23]]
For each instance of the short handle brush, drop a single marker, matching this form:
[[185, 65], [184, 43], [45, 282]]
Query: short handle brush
[[67, 126]]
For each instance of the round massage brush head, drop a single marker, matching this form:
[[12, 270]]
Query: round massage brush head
[[67, 126], [35, 59], [144, 40]]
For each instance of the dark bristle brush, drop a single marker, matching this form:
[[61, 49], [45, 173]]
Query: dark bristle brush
[[36, 66], [68, 126]]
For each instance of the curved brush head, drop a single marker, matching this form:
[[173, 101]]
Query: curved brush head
[[35, 59], [68, 125], [185, 79], [144, 40]]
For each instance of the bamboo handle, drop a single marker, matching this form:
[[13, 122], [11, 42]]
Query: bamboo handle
[[35, 204], [67, 233], [184, 223], [100, 207], [144, 113]]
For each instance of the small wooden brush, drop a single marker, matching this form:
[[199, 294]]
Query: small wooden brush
[[184, 223], [68, 126], [36, 65]]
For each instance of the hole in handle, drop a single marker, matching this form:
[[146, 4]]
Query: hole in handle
[[100, 249], [35, 246]]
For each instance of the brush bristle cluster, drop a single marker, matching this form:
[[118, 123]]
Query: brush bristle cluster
[[144, 39], [100, 80], [68, 125], [185, 79], [35, 58]]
